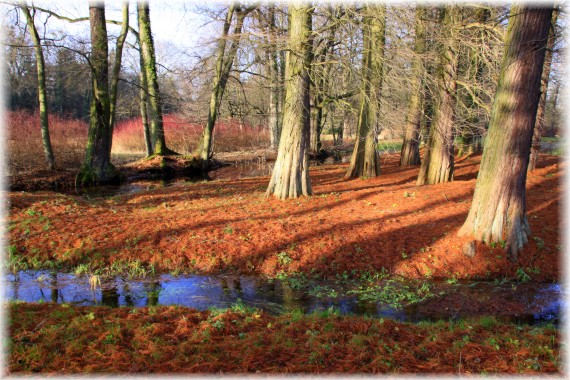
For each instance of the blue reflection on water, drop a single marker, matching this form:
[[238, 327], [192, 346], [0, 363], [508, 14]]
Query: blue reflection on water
[[203, 292]]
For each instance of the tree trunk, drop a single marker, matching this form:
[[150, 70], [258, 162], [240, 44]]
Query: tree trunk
[[476, 74], [498, 211], [281, 91], [273, 69], [290, 177], [42, 91], [410, 153], [321, 74], [539, 126], [273, 109], [437, 165], [143, 106], [117, 63], [155, 100], [554, 111], [97, 167], [223, 68], [365, 161]]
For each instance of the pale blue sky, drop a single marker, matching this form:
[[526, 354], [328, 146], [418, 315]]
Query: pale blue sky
[[178, 31]]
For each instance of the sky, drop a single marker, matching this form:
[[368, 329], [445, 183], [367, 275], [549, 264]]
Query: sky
[[179, 30]]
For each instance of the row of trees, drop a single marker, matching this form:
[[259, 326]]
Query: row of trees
[[452, 71], [255, 80], [498, 211]]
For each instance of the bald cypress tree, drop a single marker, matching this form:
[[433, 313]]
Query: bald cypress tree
[[540, 114], [154, 98], [437, 165], [498, 211], [97, 167], [365, 161], [42, 89], [290, 177], [410, 153]]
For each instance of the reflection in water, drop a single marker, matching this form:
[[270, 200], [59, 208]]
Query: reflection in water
[[202, 292], [152, 290], [54, 288], [110, 296], [127, 295]]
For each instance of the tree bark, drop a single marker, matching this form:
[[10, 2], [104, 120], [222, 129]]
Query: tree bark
[[321, 78], [539, 125], [365, 161], [498, 210], [437, 166], [118, 62], [154, 97], [290, 177], [223, 67], [476, 72], [42, 90], [410, 153], [97, 167], [554, 118], [143, 106], [274, 93]]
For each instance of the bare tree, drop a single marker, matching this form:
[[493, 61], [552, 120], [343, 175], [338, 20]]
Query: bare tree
[[540, 115], [290, 177], [118, 62], [224, 64], [437, 165], [42, 90], [97, 167], [410, 153], [498, 210], [274, 64], [154, 97], [365, 161]]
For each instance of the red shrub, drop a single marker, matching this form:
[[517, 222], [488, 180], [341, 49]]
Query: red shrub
[[25, 150], [69, 138], [183, 135]]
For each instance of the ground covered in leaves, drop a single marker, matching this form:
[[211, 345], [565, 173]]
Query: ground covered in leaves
[[52, 338], [348, 227]]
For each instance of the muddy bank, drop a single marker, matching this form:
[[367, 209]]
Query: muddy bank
[[133, 169], [155, 168]]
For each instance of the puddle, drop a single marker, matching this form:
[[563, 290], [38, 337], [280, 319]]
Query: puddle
[[534, 303]]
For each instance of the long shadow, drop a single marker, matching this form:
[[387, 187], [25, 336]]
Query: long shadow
[[437, 229], [258, 254], [214, 190]]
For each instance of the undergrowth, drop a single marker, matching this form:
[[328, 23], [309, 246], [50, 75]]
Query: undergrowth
[[51, 338]]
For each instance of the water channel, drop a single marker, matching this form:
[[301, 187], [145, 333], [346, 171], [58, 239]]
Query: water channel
[[535, 303]]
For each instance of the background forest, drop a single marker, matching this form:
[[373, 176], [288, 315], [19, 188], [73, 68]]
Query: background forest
[[250, 108]]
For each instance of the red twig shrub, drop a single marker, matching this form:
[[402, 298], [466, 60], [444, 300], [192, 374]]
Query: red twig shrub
[[183, 135], [69, 137], [24, 149]]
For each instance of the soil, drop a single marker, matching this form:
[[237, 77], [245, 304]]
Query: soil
[[63, 180], [348, 226], [135, 168], [52, 339]]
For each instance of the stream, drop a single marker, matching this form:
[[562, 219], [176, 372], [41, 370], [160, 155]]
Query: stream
[[521, 303]]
